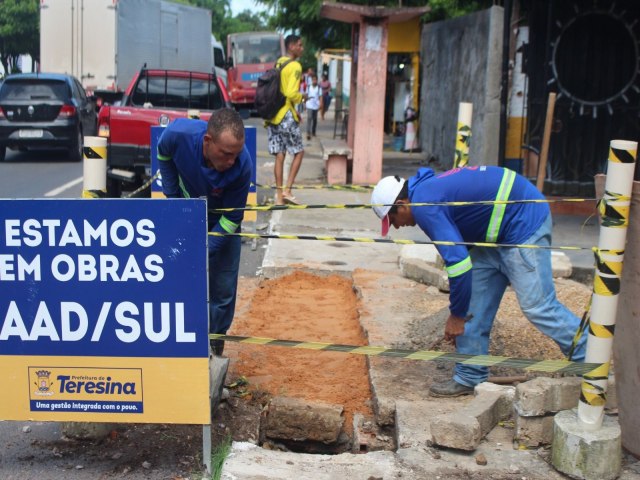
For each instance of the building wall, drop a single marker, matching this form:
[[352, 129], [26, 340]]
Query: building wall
[[461, 62]]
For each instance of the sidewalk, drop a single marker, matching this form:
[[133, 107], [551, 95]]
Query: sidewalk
[[576, 230], [399, 388]]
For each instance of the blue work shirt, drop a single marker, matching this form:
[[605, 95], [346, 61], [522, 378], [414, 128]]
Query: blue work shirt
[[185, 174], [510, 223]]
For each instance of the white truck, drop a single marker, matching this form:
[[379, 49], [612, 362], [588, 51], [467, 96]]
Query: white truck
[[104, 43]]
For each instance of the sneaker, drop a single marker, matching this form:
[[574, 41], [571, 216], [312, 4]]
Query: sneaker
[[450, 388]]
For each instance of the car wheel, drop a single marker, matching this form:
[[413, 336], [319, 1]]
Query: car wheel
[[3, 153], [75, 152]]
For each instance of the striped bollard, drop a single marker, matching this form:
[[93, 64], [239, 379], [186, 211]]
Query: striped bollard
[[94, 167], [614, 220], [586, 443], [463, 135]]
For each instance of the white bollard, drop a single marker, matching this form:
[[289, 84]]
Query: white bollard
[[614, 213], [463, 135], [94, 167]]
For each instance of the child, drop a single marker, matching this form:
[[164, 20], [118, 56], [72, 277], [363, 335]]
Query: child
[[314, 96]]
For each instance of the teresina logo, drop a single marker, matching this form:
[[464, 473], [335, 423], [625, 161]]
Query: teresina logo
[[96, 388]]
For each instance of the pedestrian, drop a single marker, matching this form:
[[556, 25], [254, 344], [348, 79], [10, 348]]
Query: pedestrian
[[209, 159], [314, 103], [307, 76], [303, 90], [325, 84], [283, 130], [478, 276]]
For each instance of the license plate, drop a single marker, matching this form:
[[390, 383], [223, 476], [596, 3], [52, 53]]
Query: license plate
[[30, 133]]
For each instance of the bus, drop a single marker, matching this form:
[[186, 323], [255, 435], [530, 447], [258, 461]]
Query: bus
[[249, 55]]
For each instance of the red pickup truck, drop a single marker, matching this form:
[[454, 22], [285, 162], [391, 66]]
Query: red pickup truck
[[154, 97]]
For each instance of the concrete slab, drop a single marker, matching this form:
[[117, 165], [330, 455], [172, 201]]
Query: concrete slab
[[586, 454]]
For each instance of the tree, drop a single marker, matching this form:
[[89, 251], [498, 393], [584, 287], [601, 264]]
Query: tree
[[245, 21], [222, 21], [304, 18], [19, 31]]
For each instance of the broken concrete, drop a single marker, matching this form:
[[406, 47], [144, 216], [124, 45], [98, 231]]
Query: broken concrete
[[465, 428], [542, 395], [533, 431], [297, 420], [560, 265]]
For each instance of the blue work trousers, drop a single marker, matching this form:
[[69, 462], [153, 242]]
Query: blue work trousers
[[529, 272], [223, 284]]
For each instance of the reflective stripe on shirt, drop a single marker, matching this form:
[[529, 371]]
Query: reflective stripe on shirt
[[459, 268], [497, 214], [228, 225]]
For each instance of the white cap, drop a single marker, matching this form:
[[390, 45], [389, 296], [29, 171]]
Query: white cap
[[383, 196]]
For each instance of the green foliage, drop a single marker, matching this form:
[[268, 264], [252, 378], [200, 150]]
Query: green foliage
[[223, 23], [318, 33], [445, 9], [218, 457], [246, 21], [19, 31]]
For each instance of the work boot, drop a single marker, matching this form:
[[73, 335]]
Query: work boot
[[450, 388]]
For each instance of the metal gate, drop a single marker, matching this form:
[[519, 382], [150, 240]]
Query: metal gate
[[587, 51]]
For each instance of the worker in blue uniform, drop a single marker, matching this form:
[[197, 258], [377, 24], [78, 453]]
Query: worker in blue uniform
[[478, 276], [209, 159]]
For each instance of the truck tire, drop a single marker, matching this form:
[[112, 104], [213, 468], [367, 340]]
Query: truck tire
[[75, 151]]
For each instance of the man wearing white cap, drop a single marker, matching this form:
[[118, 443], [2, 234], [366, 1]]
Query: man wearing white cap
[[478, 276]]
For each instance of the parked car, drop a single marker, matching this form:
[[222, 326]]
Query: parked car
[[45, 110], [154, 97]]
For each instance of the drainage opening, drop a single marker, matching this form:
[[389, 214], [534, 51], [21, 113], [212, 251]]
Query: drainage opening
[[313, 401]]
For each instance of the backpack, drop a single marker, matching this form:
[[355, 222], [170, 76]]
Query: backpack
[[269, 98]]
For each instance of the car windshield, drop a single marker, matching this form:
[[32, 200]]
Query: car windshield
[[178, 93], [251, 49], [37, 89]]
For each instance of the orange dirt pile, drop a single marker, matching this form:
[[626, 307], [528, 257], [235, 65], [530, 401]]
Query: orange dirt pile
[[305, 307]]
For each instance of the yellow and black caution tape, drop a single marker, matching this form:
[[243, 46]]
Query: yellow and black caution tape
[[324, 186], [549, 366], [592, 393], [608, 273], [328, 238], [371, 205], [614, 210], [94, 194], [584, 321], [619, 155], [94, 152], [606, 283], [146, 185]]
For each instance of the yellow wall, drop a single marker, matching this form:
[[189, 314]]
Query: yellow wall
[[404, 37]]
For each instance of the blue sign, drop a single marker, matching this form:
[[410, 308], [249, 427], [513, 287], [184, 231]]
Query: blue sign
[[104, 277], [251, 76]]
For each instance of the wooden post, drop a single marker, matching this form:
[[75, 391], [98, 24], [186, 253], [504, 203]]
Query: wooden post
[[548, 123]]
